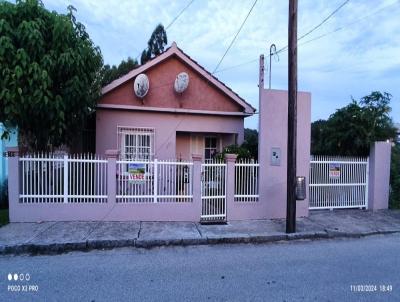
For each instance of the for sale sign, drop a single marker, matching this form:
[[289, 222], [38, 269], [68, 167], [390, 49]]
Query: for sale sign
[[136, 172], [334, 170]]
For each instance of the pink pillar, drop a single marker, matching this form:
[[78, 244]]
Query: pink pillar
[[379, 176], [273, 149], [230, 160], [13, 181], [111, 156], [197, 160]]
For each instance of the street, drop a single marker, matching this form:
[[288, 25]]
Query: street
[[366, 269]]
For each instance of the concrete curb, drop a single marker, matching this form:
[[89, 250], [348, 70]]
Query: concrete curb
[[58, 248]]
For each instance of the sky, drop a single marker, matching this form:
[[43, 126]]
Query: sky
[[359, 51]]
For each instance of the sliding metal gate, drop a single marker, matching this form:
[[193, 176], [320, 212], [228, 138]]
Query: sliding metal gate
[[213, 191], [338, 182]]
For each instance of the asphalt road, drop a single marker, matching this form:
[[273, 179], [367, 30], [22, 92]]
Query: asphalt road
[[322, 270]]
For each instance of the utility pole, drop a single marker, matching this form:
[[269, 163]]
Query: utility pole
[[292, 119]]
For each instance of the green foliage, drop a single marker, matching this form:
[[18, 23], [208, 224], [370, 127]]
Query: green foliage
[[352, 129], [247, 150], [251, 142], [4, 195], [155, 45], [241, 152], [111, 73], [50, 73], [4, 219], [394, 201]]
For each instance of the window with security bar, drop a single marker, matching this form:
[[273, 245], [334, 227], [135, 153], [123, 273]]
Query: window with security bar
[[136, 143]]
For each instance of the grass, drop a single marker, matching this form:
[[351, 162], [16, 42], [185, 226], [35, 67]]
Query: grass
[[4, 217]]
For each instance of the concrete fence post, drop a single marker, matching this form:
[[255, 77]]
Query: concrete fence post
[[13, 181], [379, 175], [197, 178], [230, 160], [111, 156]]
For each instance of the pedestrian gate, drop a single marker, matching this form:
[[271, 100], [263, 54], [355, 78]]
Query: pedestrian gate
[[338, 182], [213, 192]]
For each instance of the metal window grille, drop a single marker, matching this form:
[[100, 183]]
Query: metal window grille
[[136, 143]]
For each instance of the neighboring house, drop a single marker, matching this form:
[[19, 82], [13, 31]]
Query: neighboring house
[[4, 143], [165, 124]]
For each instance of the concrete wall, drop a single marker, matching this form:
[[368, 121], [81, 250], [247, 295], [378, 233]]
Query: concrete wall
[[273, 134], [379, 176], [166, 126]]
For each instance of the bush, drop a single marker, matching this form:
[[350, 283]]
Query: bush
[[240, 151], [4, 195], [394, 199]]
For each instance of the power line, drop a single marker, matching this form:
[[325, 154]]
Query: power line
[[180, 13], [321, 36], [351, 23], [171, 23], [234, 38], [235, 66], [318, 25]]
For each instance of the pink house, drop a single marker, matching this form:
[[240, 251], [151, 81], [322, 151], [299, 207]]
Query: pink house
[[165, 124], [174, 120]]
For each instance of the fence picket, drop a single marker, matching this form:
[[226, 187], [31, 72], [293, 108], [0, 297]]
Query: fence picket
[[348, 189]]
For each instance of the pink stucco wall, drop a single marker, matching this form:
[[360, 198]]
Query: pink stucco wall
[[379, 176], [273, 134], [200, 94], [166, 126]]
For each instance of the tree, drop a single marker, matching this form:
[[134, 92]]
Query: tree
[[251, 142], [50, 73], [111, 73], [352, 129], [317, 136], [394, 200], [155, 45]]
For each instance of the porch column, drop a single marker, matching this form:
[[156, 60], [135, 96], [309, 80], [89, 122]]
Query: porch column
[[230, 160], [197, 159], [111, 156], [13, 182]]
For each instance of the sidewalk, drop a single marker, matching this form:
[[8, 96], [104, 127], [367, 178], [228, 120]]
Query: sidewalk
[[58, 237]]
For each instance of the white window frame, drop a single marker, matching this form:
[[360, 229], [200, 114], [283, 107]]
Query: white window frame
[[140, 150]]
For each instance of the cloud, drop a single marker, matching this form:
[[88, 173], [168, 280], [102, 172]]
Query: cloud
[[355, 60]]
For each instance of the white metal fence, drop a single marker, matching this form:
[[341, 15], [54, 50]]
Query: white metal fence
[[338, 182], [246, 181], [213, 191], [154, 181], [59, 178], [55, 178]]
